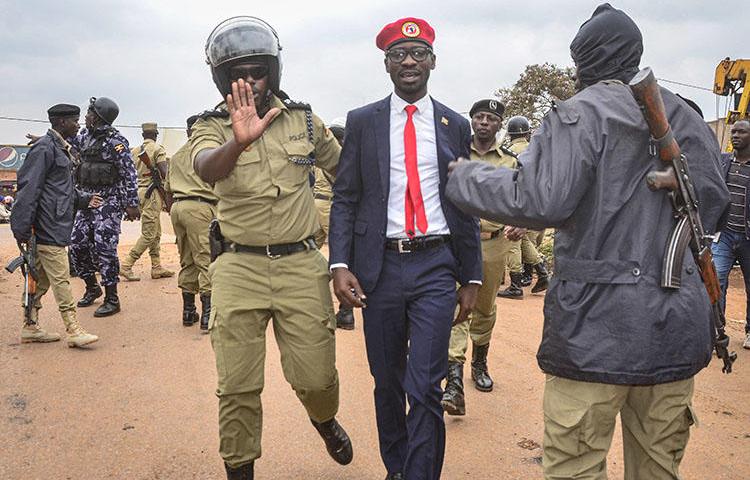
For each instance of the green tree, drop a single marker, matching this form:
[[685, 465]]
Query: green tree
[[536, 89]]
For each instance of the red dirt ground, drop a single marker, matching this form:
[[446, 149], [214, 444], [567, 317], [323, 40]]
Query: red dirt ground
[[139, 404]]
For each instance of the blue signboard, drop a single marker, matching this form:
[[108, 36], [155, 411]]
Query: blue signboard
[[12, 156]]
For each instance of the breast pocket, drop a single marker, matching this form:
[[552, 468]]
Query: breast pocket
[[245, 177], [293, 171]]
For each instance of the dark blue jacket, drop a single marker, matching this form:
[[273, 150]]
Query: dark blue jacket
[[606, 317], [359, 213], [46, 197]]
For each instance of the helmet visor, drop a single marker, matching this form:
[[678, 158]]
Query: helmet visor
[[239, 37]]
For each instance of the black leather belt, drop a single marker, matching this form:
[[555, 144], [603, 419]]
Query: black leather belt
[[320, 196], [273, 251], [404, 245], [195, 198]]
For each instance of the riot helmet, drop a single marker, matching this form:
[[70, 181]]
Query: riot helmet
[[518, 125], [238, 39], [105, 108]]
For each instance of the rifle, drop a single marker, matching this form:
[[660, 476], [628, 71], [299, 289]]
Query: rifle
[[27, 262], [688, 231], [156, 180]]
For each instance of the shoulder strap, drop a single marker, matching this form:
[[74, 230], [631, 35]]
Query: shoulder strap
[[216, 113], [292, 105], [508, 151]]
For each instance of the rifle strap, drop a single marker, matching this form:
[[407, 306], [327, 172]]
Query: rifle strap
[[658, 144]]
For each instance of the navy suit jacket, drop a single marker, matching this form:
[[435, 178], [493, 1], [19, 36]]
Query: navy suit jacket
[[359, 213]]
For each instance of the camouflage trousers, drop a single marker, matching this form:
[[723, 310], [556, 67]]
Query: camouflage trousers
[[93, 244]]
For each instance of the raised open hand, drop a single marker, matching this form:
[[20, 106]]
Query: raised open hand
[[247, 126]]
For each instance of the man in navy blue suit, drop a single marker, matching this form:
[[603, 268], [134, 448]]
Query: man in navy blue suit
[[398, 246]]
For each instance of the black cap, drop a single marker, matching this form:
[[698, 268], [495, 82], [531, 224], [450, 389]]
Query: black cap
[[488, 105], [63, 110]]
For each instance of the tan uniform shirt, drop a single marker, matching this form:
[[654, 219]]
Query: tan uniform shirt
[[518, 145], [182, 179], [495, 156], [323, 183], [156, 153], [266, 199]]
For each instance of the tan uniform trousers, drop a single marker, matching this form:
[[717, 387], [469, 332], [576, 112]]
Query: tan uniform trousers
[[54, 272], [482, 318], [293, 292], [324, 214], [190, 220], [512, 256], [150, 229], [529, 253], [579, 421]]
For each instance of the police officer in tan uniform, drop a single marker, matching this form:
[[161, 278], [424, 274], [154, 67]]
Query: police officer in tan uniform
[[519, 133], [151, 207], [258, 150], [193, 208], [486, 119], [323, 192]]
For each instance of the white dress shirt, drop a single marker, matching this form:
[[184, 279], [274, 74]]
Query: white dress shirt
[[427, 165]]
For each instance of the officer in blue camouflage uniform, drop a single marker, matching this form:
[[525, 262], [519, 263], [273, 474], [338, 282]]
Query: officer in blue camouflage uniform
[[107, 169]]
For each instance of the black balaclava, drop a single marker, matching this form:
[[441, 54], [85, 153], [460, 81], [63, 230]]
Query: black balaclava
[[607, 46]]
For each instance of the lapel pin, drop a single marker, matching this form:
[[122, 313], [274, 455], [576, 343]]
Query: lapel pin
[[444, 121]]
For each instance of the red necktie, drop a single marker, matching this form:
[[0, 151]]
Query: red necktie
[[414, 204]]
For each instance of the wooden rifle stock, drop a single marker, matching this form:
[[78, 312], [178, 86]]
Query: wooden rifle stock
[[688, 231]]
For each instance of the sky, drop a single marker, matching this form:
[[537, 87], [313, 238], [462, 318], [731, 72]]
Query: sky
[[150, 56]]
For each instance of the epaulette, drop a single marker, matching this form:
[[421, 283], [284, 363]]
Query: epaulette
[[215, 113], [508, 151], [292, 105]]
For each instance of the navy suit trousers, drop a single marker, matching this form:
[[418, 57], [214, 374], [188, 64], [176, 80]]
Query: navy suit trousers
[[407, 325]]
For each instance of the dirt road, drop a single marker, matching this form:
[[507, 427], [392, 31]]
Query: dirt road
[[139, 404]]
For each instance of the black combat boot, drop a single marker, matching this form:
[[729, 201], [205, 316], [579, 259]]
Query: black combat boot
[[205, 311], [453, 399], [337, 442], [514, 290], [111, 303], [93, 291], [528, 271], [345, 318], [244, 472], [482, 380], [189, 314], [542, 278]]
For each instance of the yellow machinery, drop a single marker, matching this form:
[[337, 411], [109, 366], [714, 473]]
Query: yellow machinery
[[730, 80]]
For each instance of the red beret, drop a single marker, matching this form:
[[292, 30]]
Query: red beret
[[403, 30]]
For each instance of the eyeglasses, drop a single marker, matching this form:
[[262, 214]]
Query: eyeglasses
[[398, 55], [255, 71]]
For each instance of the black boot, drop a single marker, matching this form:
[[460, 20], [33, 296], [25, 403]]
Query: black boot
[[345, 318], [189, 315], [337, 442], [205, 311], [111, 303], [528, 271], [514, 290], [453, 399], [93, 291], [542, 278], [482, 380], [244, 472]]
